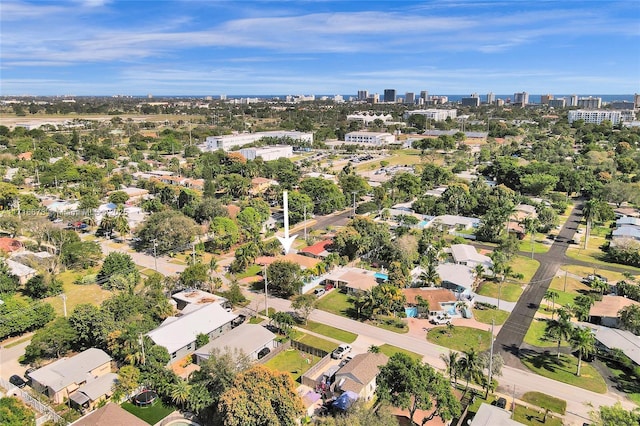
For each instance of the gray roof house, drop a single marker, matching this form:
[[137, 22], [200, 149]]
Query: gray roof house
[[247, 338], [23, 272], [89, 395], [66, 375], [359, 375], [457, 278], [490, 415], [465, 254], [178, 334]]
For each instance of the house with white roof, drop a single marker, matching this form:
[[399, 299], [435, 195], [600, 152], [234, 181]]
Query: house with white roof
[[247, 338], [465, 254], [23, 272], [89, 395], [178, 333], [61, 378], [453, 223], [457, 278]]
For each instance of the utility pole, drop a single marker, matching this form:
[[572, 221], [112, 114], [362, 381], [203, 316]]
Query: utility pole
[[155, 254], [565, 281], [305, 222], [491, 354], [266, 301], [193, 252], [354, 203], [64, 303]]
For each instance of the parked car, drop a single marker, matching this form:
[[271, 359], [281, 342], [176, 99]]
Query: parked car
[[17, 381], [340, 351], [263, 352], [319, 291], [440, 320], [593, 277], [501, 402]]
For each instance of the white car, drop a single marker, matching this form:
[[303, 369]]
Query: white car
[[340, 351], [440, 320]]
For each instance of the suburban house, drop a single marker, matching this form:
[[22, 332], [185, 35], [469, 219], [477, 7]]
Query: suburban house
[[610, 338], [259, 185], [110, 415], [9, 245], [441, 301], [178, 333], [458, 278], [455, 223], [247, 338], [89, 395], [23, 272], [605, 311], [317, 250], [490, 415], [61, 378], [353, 280], [359, 375], [465, 254], [196, 297]]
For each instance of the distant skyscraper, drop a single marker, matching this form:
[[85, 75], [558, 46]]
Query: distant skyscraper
[[223, 97], [491, 98], [590, 103], [389, 95], [409, 98], [521, 98], [544, 99], [558, 103], [473, 100], [636, 100], [424, 95], [573, 100], [363, 95]]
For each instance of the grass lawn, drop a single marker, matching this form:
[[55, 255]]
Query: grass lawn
[[626, 380], [583, 271], [77, 294], [544, 401], [250, 272], [528, 416], [538, 247], [460, 338], [316, 342], [564, 370], [337, 303], [327, 330], [573, 285], [594, 255], [509, 291], [391, 326], [389, 350], [293, 362], [525, 266], [535, 335], [563, 299], [486, 315], [151, 415]]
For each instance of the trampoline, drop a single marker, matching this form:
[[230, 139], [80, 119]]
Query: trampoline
[[145, 398]]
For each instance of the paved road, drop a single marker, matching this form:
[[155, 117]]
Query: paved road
[[524, 381], [9, 364], [512, 333]]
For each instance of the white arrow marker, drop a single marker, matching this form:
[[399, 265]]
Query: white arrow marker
[[286, 241]]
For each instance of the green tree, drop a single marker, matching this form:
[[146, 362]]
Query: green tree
[[167, 230], [8, 282], [615, 415], [8, 194], [559, 329], [226, 233], [180, 392], [234, 294], [452, 362], [14, 412], [470, 366], [118, 197], [531, 225], [195, 276], [53, 341], [285, 278], [629, 319], [250, 221], [92, 325], [260, 397], [584, 342], [551, 295], [117, 265], [283, 321], [81, 254], [42, 286], [410, 384], [201, 340], [304, 304], [325, 195], [128, 381]]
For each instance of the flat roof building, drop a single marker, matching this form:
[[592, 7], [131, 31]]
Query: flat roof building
[[370, 138], [268, 153], [228, 142]]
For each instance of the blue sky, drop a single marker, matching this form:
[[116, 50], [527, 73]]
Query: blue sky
[[207, 47]]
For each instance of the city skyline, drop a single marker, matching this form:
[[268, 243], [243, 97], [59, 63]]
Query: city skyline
[[102, 47]]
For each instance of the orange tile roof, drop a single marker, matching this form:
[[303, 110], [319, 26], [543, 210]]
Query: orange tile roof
[[318, 247], [9, 245], [434, 296]]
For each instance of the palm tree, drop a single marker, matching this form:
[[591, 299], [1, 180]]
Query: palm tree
[[107, 224], [599, 285], [591, 212], [551, 295], [559, 329], [121, 222], [583, 341], [470, 366], [452, 361], [180, 392], [531, 225], [478, 271]]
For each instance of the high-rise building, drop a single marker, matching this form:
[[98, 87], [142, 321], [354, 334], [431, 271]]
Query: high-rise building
[[558, 103], [590, 103], [521, 98], [636, 101], [424, 95], [573, 100], [363, 95], [389, 95], [544, 99], [472, 101], [595, 116], [491, 98], [373, 99], [409, 98]]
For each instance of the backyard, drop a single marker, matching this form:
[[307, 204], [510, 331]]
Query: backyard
[[152, 414], [293, 362]]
